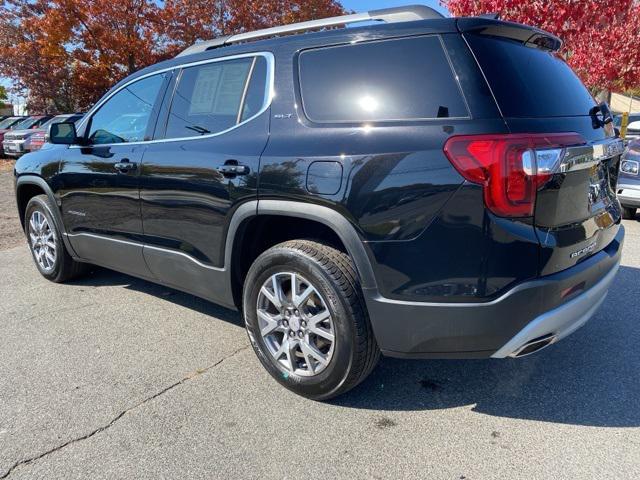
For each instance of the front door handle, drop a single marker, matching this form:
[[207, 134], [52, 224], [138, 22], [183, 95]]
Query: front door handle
[[231, 168], [125, 166]]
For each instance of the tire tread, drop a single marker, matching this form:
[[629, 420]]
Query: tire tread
[[342, 270]]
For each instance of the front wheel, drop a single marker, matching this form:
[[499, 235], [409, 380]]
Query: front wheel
[[45, 242], [307, 321]]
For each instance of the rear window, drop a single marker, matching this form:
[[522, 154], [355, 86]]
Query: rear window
[[529, 82], [403, 79]]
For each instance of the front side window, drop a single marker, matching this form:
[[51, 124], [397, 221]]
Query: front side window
[[214, 97], [125, 116]]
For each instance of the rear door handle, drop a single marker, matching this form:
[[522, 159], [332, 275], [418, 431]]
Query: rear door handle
[[125, 166], [231, 168]]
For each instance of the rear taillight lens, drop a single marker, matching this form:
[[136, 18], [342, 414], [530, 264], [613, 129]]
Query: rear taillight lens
[[510, 167]]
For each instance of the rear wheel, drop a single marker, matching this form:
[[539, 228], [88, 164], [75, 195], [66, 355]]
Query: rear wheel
[[307, 321], [45, 242], [628, 213]]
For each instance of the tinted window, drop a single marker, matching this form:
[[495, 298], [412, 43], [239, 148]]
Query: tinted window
[[30, 122], [391, 80], [209, 97], [617, 121], [125, 116], [254, 99], [529, 82], [7, 122]]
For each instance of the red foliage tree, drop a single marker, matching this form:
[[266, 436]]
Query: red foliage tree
[[601, 37], [64, 54], [183, 22]]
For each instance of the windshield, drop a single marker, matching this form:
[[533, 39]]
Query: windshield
[[26, 124], [59, 119], [617, 121], [7, 122]]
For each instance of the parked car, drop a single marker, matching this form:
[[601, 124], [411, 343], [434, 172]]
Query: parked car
[[633, 126], [629, 180], [8, 124], [15, 143], [40, 136], [426, 188]]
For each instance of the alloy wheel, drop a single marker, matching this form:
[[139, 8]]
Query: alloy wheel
[[295, 324], [43, 241]]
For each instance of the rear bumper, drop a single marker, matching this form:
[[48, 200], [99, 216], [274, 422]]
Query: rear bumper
[[629, 195], [551, 307], [556, 324]]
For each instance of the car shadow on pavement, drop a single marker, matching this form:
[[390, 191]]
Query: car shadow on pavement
[[102, 277], [590, 378]]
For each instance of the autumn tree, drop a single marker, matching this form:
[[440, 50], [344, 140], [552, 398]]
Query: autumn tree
[[64, 54], [186, 21], [601, 37], [3, 96]]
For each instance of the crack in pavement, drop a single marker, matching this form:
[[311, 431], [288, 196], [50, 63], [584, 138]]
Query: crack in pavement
[[191, 376]]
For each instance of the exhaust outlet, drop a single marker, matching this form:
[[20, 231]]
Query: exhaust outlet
[[534, 345]]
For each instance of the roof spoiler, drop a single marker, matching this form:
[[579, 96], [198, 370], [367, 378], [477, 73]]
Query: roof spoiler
[[529, 36], [388, 15]]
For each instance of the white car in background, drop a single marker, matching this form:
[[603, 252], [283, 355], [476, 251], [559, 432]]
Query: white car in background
[[16, 142], [633, 127]]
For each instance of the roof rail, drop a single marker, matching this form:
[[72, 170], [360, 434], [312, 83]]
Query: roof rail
[[390, 15]]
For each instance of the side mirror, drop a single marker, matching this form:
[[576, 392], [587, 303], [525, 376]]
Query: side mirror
[[63, 133]]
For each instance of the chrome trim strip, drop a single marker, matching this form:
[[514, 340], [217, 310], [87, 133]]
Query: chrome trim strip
[[269, 94], [245, 90], [144, 246], [503, 297], [582, 157]]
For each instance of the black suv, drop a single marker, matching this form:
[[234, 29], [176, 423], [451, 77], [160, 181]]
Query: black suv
[[427, 187]]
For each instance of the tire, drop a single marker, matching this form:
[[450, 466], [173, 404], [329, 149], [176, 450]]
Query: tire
[[54, 263], [629, 213], [352, 354]]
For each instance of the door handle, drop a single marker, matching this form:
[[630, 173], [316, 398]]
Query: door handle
[[125, 166], [231, 168]]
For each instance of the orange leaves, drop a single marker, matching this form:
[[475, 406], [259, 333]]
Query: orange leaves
[[67, 53]]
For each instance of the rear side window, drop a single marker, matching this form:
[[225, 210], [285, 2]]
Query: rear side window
[[214, 97], [403, 79], [529, 82]]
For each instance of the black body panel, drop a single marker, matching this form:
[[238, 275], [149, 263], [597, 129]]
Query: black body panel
[[441, 274], [441, 330]]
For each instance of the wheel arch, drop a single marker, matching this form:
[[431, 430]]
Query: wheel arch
[[29, 186], [334, 224]]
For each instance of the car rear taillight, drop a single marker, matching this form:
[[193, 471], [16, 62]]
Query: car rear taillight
[[510, 167]]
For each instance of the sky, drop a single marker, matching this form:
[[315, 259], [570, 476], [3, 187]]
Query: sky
[[364, 5], [355, 5]]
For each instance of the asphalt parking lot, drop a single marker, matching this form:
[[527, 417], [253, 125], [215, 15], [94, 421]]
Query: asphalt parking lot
[[113, 377]]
